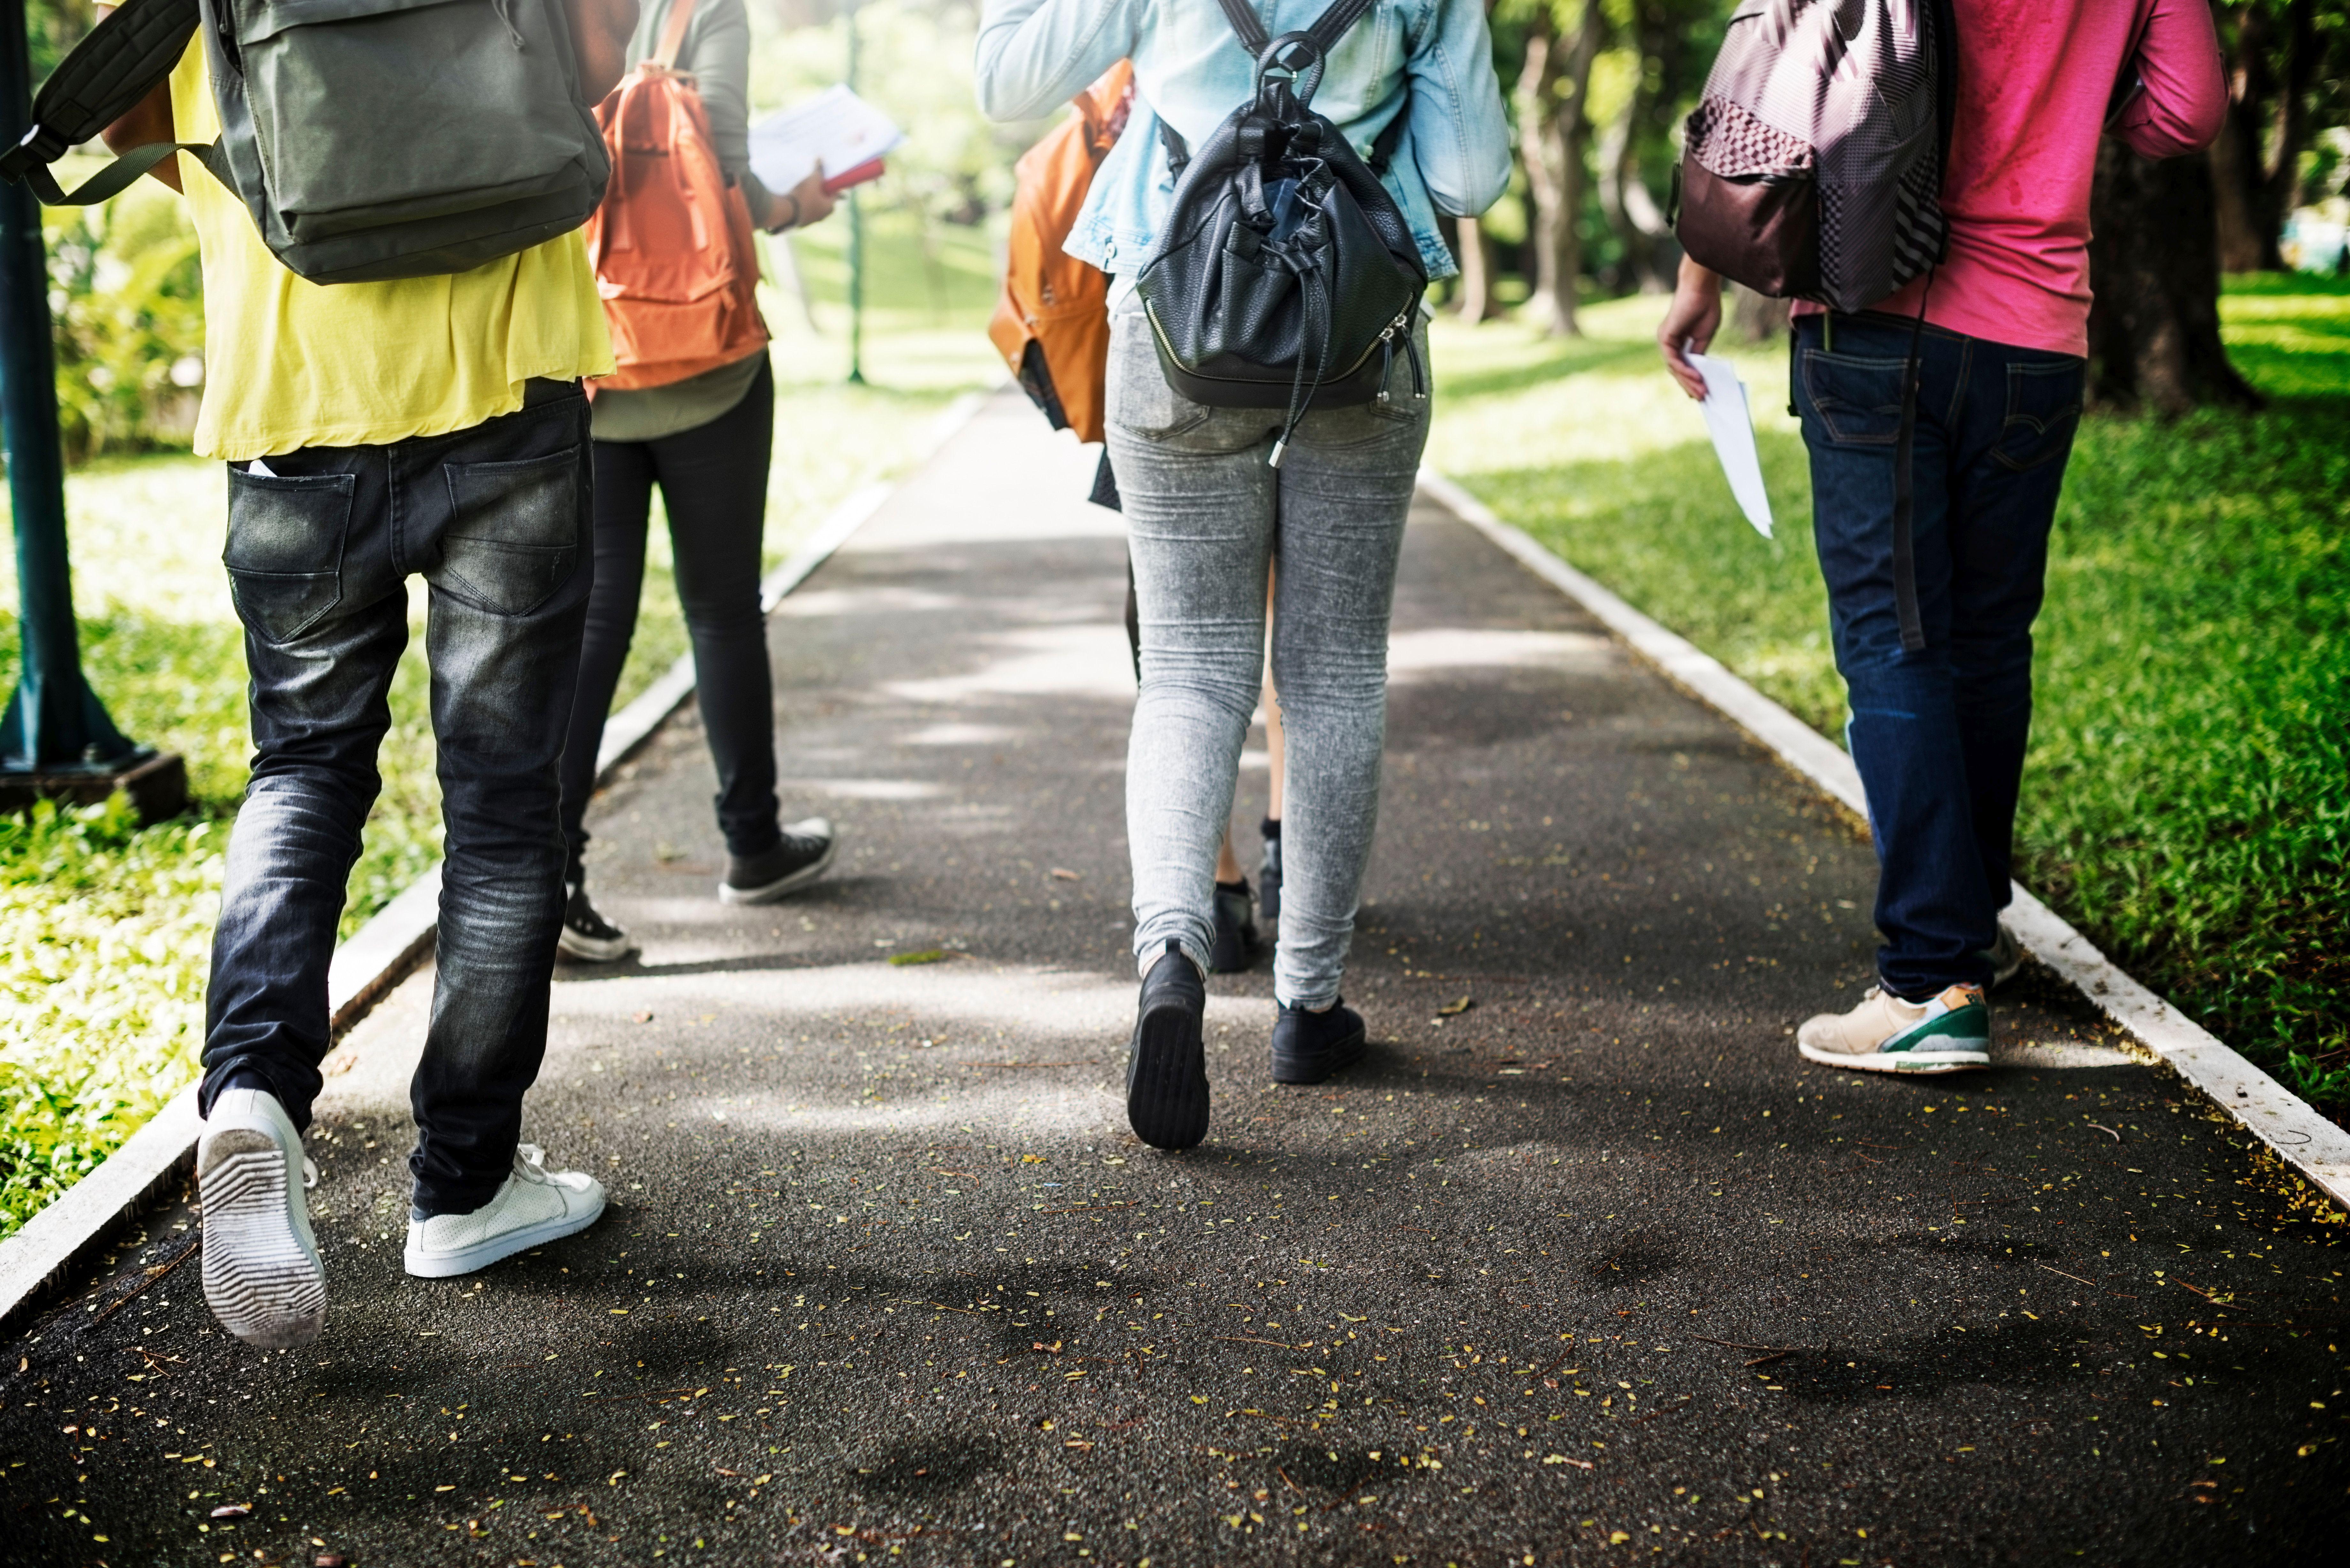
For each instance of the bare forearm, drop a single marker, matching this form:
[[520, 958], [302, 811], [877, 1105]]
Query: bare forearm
[[149, 121], [600, 38]]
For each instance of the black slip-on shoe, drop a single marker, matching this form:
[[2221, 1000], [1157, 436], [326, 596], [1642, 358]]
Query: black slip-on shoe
[[806, 851], [1165, 1065], [1308, 1047], [1236, 940]]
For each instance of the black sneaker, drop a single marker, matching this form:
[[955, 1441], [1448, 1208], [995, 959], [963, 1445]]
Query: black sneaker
[[1166, 1067], [1268, 875], [1308, 1047], [803, 855], [587, 936], [1237, 940]]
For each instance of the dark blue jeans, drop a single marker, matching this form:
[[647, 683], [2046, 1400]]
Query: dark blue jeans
[[1938, 734], [494, 518]]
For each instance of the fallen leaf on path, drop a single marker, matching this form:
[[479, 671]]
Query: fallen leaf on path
[[1065, 874], [926, 955], [1455, 1008]]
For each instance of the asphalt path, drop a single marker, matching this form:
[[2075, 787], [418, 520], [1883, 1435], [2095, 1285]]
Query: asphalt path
[[1584, 1263]]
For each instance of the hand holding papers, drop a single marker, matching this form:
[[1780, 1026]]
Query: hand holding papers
[[1732, 425], [837, 129]]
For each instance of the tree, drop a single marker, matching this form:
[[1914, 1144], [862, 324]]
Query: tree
[[1554, 139], [2154, 260], [1476, 300], [1669, 46], [2274, 53]]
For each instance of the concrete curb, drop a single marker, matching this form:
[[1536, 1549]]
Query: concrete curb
[[2288, 1125], [382, 953]]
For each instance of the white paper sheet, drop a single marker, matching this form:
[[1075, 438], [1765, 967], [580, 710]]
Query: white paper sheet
[[835, 126], [1730, 422]]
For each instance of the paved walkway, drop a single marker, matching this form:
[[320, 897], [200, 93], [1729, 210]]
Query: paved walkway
[[1583, 1264]]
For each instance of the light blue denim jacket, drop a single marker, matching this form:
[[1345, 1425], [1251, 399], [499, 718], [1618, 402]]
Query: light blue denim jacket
[[1036, 55]]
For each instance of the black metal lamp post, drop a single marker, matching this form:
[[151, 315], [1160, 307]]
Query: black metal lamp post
[[56, 739]]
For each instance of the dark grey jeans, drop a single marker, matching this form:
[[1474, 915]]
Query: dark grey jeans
[[1205, 516], [494, 519]]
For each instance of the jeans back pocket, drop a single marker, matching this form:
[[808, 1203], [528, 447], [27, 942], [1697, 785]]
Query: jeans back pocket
[[514, 530], [2044, 410], [1858, 401], [284, 552]]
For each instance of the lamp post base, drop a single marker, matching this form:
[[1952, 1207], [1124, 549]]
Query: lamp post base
[[156, 782]]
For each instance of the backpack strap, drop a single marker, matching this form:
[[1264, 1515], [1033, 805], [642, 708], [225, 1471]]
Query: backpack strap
[[102, 80], [672, 38], [1327, 31], [1178, 152]]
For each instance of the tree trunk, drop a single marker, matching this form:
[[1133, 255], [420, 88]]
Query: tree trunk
[[2154, 328], [1756, 317], [1554, 124], [1475, 300], [2256, 161]]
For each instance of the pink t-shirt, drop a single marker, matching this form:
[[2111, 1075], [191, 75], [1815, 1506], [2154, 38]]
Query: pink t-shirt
[[2034, 79]]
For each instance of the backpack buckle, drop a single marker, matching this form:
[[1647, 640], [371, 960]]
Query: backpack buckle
[[40, 147], [1298, 57]]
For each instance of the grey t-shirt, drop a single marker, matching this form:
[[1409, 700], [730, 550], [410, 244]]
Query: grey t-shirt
[[717, 51]]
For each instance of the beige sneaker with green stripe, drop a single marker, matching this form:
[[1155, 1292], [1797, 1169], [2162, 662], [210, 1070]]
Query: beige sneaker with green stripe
[[1948, 1032]]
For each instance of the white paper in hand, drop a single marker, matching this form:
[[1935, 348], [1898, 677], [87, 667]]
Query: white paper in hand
[[843, 131], [1732, 425]]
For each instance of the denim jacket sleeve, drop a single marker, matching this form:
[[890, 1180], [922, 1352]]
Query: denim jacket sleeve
[[1035, 55]]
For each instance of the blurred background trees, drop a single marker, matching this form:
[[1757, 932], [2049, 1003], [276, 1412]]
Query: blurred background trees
[[1596, 92]]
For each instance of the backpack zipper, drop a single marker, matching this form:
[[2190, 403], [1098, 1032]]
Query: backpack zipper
[[1159, 332], [1386, 356]]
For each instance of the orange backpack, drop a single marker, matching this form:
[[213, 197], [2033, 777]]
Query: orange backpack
[[1052, 325], [671, 243]]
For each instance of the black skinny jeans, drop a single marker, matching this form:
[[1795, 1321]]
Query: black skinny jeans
[[319, 554], [713, 479]]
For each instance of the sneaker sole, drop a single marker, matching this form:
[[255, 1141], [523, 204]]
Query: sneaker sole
[[1898, 1061], [783, 886], [1167, 1092], [263, 1284], [483, 1253], [590, 949]]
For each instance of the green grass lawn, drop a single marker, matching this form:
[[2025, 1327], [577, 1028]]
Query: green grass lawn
[[2187, 803], [104, 929]]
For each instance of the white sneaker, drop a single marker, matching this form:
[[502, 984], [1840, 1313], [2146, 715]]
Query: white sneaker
[[1947, 1032], [263, 1276], [535, 1205]]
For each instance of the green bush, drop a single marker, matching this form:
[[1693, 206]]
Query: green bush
[[126, 301]]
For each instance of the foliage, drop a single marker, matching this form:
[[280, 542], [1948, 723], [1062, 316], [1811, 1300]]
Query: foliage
[[126, 302], [2188, 801], [104, 935]]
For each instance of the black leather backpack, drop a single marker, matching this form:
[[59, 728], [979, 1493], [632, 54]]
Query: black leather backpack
[[1286, 277]]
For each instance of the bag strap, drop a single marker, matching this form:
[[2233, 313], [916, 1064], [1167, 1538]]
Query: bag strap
[[672, 38], [1333, 25], [102, 80]]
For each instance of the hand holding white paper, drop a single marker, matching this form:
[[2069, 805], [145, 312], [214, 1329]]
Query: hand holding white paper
[[847, 135], [1732, 425]]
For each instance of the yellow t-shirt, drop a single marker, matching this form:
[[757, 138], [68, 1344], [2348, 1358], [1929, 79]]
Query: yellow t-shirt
[[289, 363]]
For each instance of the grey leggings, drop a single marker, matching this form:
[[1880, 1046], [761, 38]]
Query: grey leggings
[[1205, 517]]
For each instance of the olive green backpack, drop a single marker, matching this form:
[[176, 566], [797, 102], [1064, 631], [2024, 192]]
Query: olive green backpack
[[370, 139]]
